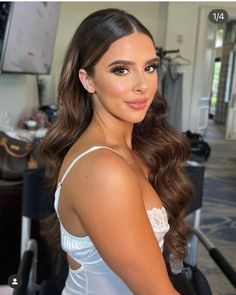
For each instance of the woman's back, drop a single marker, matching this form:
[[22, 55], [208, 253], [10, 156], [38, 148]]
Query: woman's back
[[94, 276]]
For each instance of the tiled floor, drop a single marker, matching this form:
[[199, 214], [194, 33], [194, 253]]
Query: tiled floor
[[219, 208]]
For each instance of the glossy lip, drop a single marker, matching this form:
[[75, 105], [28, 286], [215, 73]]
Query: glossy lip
[[137, 104]]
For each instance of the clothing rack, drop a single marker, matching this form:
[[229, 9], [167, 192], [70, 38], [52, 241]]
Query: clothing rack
[[162, 52]]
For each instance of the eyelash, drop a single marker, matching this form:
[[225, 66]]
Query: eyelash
[[117, 69]]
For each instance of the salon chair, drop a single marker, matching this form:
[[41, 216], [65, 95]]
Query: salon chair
[[195, 173], [37, 204], [10, 228]]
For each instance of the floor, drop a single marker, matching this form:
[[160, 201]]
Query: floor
[[218, 220]]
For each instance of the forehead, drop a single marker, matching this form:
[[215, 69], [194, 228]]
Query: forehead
[[134, 46]]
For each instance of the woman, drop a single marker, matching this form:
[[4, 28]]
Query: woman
[[120, 189]]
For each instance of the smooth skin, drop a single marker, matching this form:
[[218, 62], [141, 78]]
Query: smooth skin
[[106, 194]]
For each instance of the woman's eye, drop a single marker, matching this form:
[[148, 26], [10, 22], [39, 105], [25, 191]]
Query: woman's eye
[[151, 68], [119, 70]]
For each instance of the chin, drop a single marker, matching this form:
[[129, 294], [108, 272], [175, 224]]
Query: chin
[[137, 119]]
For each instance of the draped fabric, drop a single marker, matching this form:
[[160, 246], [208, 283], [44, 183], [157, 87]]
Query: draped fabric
[[171, 88]]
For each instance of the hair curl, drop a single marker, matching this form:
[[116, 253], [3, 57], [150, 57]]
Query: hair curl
[[163, 148]]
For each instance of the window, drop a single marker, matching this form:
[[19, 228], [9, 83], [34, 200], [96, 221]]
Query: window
[[219, 38]]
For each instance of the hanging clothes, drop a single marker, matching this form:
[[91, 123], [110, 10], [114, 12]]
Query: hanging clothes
[[171, 88]]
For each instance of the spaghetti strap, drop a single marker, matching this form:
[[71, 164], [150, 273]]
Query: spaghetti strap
[[80, 156]]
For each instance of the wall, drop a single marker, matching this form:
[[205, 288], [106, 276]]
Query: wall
[[18, 96], [183, 19]]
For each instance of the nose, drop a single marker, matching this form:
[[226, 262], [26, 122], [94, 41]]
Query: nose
[[140, 83]]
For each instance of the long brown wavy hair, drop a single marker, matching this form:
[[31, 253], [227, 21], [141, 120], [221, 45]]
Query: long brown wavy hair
[[163, 148]]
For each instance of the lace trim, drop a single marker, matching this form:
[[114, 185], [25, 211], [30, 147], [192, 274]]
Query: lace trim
[[158, 218]]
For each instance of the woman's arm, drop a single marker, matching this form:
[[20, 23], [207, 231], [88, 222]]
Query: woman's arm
[[106, 196]]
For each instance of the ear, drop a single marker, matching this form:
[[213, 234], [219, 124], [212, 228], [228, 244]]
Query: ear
[[86, 81]]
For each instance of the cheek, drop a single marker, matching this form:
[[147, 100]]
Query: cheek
[[154, 85], [115, 88], [155, 88]]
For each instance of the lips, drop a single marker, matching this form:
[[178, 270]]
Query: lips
[[137, 104]]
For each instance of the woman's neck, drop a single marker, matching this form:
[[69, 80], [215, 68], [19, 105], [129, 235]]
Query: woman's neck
[[113, 131]]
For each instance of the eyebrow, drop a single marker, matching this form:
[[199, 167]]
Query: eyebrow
[[127, 62]]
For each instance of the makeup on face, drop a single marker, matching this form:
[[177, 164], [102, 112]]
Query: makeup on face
[[138, 104], [122, 67], [125, 79]]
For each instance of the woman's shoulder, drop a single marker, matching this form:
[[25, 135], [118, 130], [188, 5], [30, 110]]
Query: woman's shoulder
[[103, 160], [99, 184], [94, 161], [99, 174]]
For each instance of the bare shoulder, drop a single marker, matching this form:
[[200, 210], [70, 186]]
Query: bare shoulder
[[108, 164], [102, 168], [102, 186]]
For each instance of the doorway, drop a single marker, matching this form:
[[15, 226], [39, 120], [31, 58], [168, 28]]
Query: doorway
[[221, 109]]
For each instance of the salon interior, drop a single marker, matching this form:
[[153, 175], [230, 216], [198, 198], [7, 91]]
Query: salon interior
[[196, 46]]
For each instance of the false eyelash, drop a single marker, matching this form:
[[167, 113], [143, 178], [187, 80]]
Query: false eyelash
[[118, 68], [154, 65]]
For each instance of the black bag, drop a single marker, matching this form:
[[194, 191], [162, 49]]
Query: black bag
[[15, 157], [199, 146], [190, 281]]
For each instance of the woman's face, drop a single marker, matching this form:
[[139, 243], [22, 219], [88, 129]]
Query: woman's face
[[125, 79]]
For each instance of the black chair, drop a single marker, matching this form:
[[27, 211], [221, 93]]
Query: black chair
[[10, 230], [37, 204], [195, 174], [27, 270]]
